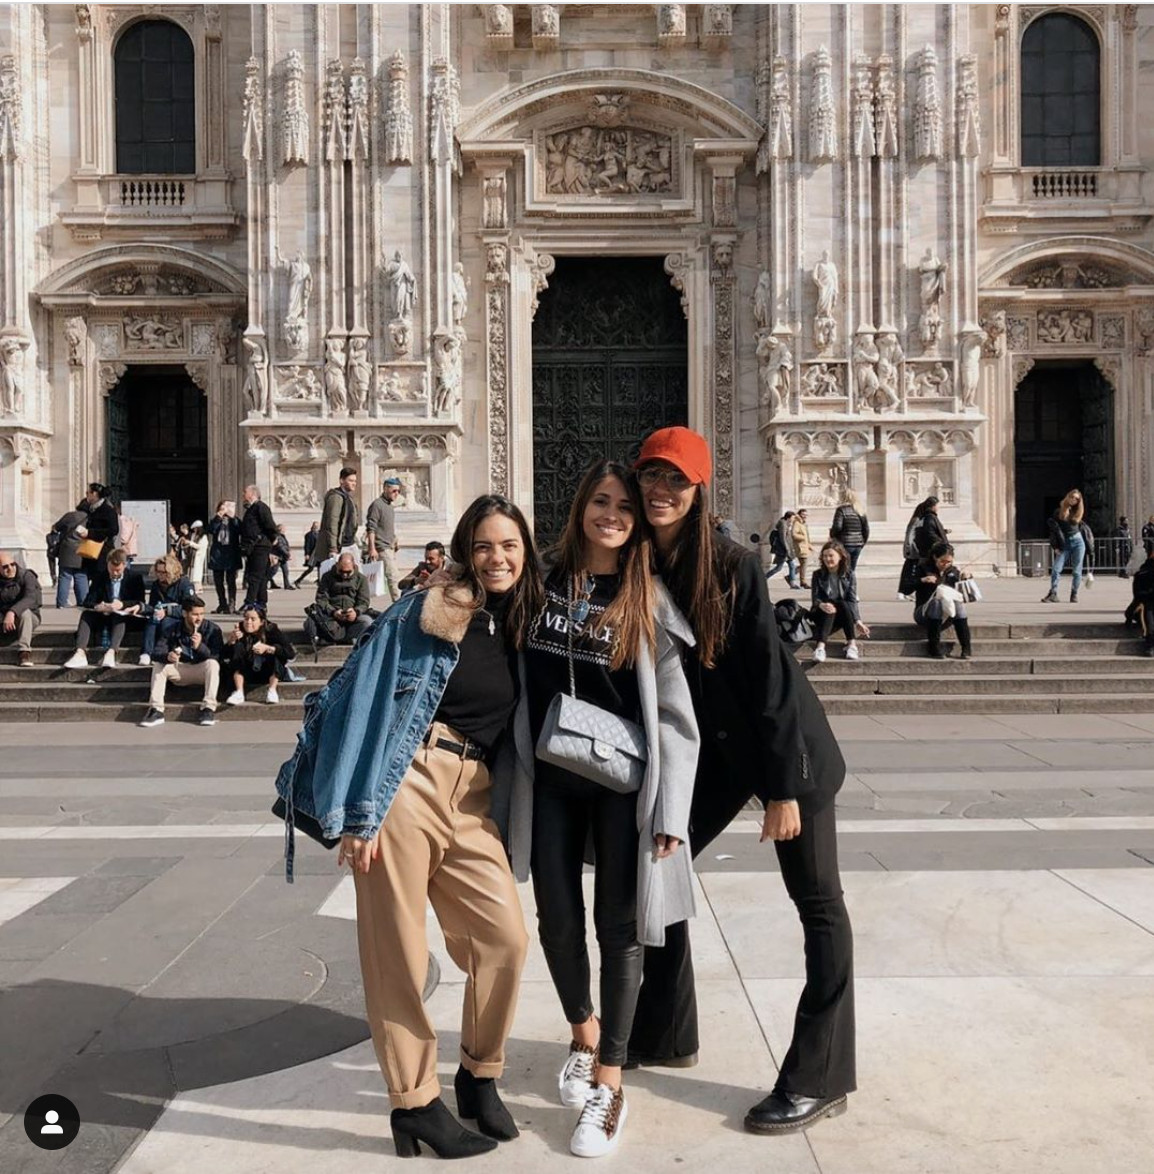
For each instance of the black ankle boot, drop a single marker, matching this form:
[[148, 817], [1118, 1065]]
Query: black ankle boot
[[477, 1099], [438, 1129], [962, 627], [934, 639]]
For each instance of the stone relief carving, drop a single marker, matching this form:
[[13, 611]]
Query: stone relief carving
[[927, 108], [459, 294], [1068, 273], [823, 381], [775, 372], [821, 486], [723, 283], [393, 387], [255, 390], [608, 109], [929, 382], [297, 383], [540, 266], [931, 286], [252, 113], [1018, 333], [416, 490], [84, 21], [546, 25], [12, 375], [300, 288], [888, 372], [493, 207], [334, 127], [153, 334], [1112, 331], [670, 22], [360, 374], [401, 337], [357, 133], [496, 263], [76, 336], [778, 141], [921, 479], [109, 375], [444, 115], [106, 338], [447, 372], [676, 267], [822, 112], [498, 24], [1111, 368], [967, 117], [825, 277], [295, 116], [402, 283], [204, 340], [589, 160], [970, 366], [198, 373], [11, 110], [762, 302], [336, 387], [1023, 365], [886, 109], [398, 113], [1144, 328], [862, 143], [725, 201], [717, 21], [994, 325], [298, 489], [496, 319], [1065, 326], [865, 368]]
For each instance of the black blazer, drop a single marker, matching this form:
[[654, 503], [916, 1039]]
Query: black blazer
[[257, 528], [929, 534], [131, 589]]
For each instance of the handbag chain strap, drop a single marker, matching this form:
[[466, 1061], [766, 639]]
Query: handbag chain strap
[[569, 639]]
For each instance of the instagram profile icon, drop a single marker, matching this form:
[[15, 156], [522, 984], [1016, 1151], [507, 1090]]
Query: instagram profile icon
[[51, 1122]]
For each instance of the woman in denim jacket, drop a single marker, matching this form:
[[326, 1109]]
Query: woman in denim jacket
[[393, 760]]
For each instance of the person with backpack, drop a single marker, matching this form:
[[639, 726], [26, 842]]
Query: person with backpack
[[340, 518], [921, 537], [777, 548], [851, 527], [1124, 541]]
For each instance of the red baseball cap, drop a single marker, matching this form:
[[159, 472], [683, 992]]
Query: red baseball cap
[[681, 447]]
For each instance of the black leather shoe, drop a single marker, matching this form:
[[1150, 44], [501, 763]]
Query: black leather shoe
[[786, 1112], [434, 1125], [478, 1100], [634, 1060]]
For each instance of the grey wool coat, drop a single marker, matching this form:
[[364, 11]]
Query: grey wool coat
[[664, 887]]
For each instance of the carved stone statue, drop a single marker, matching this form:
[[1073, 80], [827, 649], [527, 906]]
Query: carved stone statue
[[252, 115], [459, 287], [994, 325], [402, 286], [257, 397], [493, 213], [890, 355], [11, 110], [336, 389], [780, 134], [447, 371], [865, 373], [11, 376], [825, 277], [360, 373], [762, 309], [498, 20], [300, 285], [932, 279], [775, 362], [970, 366], [401, 336], [76, 335]]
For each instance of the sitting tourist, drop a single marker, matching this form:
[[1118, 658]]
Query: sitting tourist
[[188, 651], [340, 614], [19, 605], [258, 654], [115, 596], [169, 589], [433, 562], [937, 601], [1141, 609], [835, 602]]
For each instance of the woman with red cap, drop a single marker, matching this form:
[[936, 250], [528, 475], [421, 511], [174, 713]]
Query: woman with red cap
[[763, 733]]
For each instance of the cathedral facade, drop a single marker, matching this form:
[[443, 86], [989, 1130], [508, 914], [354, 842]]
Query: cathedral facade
[[898, 249]]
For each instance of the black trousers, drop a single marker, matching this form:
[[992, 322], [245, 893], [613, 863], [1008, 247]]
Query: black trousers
[[825, 622], [821, 1057], [96, 621], [225, 584], [256, 575], [566, 812]]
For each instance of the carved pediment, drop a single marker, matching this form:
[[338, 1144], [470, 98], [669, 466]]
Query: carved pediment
[[605, 160], [1071, 273], [146, 281]]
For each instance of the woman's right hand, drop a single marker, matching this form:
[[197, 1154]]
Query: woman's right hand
[[828, 608], [930, 579], [358, 853]]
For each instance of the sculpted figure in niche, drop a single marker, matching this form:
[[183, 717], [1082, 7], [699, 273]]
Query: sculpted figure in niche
[[762, 310], [929, 383], [825, 277], [300, 285], [822, 381], [970, 364], [460, 296], [360, 373], [775, 363], [256, 386], [336, 390], [296, 491], [447, 368], [889, 356], [391, 388], [76, 335], [865, 360], [401, 336], [932, 279], [493, 202], [402, 286], [11, 376]]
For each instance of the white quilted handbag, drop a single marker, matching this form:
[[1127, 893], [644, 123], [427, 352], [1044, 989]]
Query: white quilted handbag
[[590, 741]]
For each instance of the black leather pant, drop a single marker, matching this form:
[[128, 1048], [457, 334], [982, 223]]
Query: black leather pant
[[256, 575], [825, 622], [225, 583], [821, 1057], [567, 811]]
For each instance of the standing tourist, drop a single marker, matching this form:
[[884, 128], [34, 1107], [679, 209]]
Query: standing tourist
[[310, 546], [763, 733], [257, 534], [224, 555], [101, 526], [412, 811], [279, 560], [802, 548], [609, 635], [381, 530], [835, 600], [1124, 546], [340, 518], [1068, 544], [779, 548], [199, 541], [19, 605], [1148, 536], [851, 527], [70, 577], [128, 537]]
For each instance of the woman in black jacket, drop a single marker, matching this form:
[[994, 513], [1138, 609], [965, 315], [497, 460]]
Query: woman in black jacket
[[764, 733], [102, 525], [224, 556], [258, 654], [851, 527], [916, 547], [939, 570], [835, 601]]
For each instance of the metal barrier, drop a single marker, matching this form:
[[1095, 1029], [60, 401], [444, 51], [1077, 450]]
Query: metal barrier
[[1036, 556]]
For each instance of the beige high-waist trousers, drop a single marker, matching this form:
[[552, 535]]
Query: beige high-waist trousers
[[438, 844]]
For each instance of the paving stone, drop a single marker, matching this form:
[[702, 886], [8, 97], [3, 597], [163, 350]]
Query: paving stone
[[137, 866], [93, 895], [36, 936]]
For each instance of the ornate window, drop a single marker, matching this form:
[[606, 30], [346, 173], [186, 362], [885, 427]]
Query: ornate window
[[155, 103], [1061, 93]]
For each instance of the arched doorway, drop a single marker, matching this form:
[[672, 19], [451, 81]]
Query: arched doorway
[[1063, 439], [609, 366], [158, 440]]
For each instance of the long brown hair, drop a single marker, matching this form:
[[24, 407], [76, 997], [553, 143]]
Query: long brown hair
[[1066, 510], [842, 567], [630, 615], [528, 594], [692, 571]]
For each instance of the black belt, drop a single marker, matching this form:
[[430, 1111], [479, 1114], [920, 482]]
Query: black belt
[[467, 749]]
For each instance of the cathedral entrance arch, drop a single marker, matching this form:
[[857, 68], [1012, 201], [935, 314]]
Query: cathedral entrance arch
[[609, 366]]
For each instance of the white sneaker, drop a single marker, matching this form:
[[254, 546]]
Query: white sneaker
[[108, 660], [144, 660], [851, 652], [236, 697], [576, 1079], [78, 660], [273, 697], [819, 653], [602, 1121]]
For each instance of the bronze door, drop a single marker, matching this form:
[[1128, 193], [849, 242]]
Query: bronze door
[[609, 366]]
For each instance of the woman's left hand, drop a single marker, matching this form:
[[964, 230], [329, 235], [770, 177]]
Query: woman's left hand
[[665, 845], [358, 854], [782, 820]]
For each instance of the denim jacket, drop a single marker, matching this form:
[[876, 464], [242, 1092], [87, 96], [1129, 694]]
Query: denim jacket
[[362, 730]]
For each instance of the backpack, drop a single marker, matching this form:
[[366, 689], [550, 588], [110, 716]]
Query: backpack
[[793, 623], [776, 545], [909, 545], [55, 538]]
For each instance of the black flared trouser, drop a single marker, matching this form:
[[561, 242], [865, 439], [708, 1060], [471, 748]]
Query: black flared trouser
[[821, 1057]]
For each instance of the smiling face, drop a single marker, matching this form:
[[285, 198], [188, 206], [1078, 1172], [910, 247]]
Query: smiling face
[[498, 554], [608, 519], [830, 559], [667, 493], [251, 621]]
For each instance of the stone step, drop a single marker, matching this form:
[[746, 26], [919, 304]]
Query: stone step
[[1039, 648], [55, 674], [982, 665], [909, 704], [1001, 686], [128, 655], [84, 711], [111, 691]]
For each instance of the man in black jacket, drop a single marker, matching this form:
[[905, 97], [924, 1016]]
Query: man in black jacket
[[339, 614], [188, 652], [257, 535], [115, 597], [19, 605], [1141, 609]]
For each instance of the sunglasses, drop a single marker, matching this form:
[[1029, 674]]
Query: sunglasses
[[674, 478]]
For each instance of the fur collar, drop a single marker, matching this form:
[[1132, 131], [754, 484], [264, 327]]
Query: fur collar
[[446, 612]]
